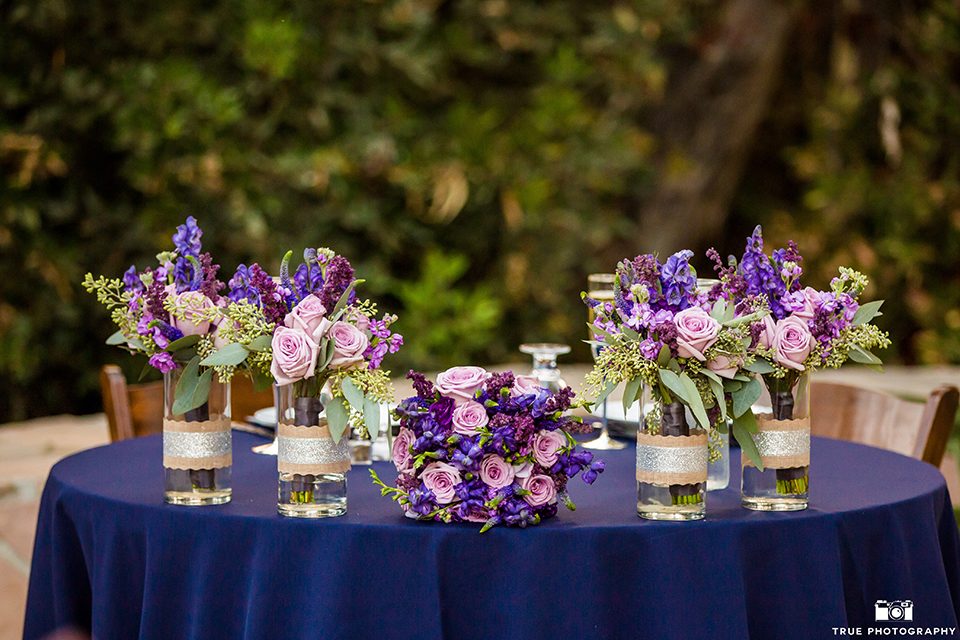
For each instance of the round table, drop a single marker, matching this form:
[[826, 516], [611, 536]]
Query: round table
[[112, 559]]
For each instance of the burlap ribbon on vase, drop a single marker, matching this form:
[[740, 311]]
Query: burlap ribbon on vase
[[197, 445], [783, 444], [672, 459], [311, 450]]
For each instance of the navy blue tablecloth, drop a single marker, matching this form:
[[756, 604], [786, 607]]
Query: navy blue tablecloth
[[112, 559]]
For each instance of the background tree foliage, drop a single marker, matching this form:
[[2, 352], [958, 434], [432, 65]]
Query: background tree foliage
[[473, 159]]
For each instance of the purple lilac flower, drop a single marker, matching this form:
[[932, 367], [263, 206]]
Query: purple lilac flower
[[339, 276], [156, 294], [499, 381], [647, 268], [163, 361], [210, 286], [423, 387], [407, 481], [650, 348], [560, 401], [273, 304]]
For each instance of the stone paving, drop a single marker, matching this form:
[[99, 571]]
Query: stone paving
[[29, 449]]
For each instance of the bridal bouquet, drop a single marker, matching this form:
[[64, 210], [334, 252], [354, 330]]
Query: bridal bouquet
[[805, 329], [482, 447], [172, 313], [311, 329], [688, 347]]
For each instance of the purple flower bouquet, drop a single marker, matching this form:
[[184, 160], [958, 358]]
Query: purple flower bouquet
[[482, 447]]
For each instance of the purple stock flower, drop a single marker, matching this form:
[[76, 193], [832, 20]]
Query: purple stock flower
[[163, 361]]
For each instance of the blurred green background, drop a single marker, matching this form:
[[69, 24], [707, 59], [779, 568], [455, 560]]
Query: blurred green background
[[474, 160]]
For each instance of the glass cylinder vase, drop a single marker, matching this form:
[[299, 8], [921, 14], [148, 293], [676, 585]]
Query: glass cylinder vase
[[197, 444], [783, 441], [312, 467], [672, 462]]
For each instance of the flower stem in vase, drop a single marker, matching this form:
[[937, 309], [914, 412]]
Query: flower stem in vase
[[789, 481], [200, 478], [306, 414], [674, 423]]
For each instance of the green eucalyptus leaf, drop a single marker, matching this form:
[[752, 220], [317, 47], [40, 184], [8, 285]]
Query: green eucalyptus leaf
[[746, 397], [183, 343], [259, 343], [717, 387], [143, 372], [630, 391], [861, 355], [117, 338], [719, 307], [711, 376], [607, 390], [229, 356], [338, 417], [672, 382], [371, 416], [596, 329], [261, 381], [696, 402], [352, 393], [760, 366], [867, 312], [188, 379], [342, 302], [327, 347], [630, 333], [729, 313], [747, 446], [663, 358], [202, 392]]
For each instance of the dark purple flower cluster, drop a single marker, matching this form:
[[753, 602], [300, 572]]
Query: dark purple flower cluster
[[495, 452], [339, 275]]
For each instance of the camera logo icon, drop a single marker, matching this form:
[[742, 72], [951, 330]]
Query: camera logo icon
[[894, 610]]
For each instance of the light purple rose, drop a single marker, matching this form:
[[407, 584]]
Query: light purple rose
[[460, 383], [349, 345], [769, 330], [441, 478], [523, 385], [192, 304], [546, 446], [294, 355], [696, 332], [469, 417], [811, 300], [542, 490], [496, 472], [310, 317], [792, 343], [402, 459], [723, 367]]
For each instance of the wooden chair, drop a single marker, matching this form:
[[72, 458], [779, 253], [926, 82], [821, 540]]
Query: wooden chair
[[135, 410], [883, 420]]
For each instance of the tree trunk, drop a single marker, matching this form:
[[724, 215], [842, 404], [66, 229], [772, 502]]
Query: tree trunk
[[707, 123]]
